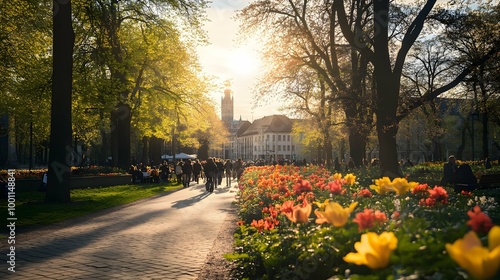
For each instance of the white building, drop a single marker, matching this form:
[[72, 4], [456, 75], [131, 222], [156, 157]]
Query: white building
[[269, 138]]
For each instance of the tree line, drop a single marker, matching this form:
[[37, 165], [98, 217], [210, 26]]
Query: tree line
[[114, 75], [359, 66]]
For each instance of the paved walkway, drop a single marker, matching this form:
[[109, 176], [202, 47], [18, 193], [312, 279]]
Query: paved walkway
[[168, 237]]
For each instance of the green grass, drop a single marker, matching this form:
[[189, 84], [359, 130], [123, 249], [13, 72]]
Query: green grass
[[32, 210]]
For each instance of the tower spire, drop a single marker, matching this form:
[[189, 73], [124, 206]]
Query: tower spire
[[227, 105]]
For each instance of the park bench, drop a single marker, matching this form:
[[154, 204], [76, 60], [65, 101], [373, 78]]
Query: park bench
[[489, 181]]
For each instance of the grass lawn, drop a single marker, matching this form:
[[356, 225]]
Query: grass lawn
[[32, 210]]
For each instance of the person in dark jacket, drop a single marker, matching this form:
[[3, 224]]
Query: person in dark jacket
[[210, 172], [228, 167], [220, 172], [197, 168], [187, 171], [238, 167], [449, 171], [165, 172]]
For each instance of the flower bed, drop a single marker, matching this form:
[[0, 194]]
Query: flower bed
[[21, 174], [305, 223]]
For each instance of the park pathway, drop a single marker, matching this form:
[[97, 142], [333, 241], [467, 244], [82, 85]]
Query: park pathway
[[167, 237]]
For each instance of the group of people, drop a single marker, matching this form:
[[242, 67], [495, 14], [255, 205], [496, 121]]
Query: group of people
[[212, 171], [460, 176], [155, 174]]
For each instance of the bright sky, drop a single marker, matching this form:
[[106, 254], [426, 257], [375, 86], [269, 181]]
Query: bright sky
[[228, 60]]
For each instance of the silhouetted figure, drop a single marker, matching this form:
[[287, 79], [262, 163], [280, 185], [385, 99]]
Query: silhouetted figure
[[449, 170], [465, 179], [487, 163]]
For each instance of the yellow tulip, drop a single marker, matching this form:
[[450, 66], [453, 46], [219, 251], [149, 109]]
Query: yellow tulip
[[335, 214], [374, 250], [350, 179], [402, 186], [322, 205], [480, 262], [336, 176], [382, 186]]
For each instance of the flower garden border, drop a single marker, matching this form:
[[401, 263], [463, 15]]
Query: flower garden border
[[78, 182]]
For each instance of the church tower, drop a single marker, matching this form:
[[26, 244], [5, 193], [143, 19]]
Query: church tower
[[227, 107]]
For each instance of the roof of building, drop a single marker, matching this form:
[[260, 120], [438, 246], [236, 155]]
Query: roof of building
[[244, 126], [269, 124]]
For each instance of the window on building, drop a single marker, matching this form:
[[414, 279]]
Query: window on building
[[288, 148], [279, 148], [274, 138], [293, 148], [288, 138], [279, 137]]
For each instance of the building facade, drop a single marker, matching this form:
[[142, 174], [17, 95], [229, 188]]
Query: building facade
[[269, 138]]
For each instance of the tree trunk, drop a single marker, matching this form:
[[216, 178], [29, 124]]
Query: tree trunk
[[388, 150], [120, 136], [437, 152], [387, 84], [486, 152], [58, 188], [145, 150], [357, 146], [155, 145], [12, 161], [387, 125]]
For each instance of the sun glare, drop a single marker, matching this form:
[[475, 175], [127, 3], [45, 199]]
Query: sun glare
[[244, 61]]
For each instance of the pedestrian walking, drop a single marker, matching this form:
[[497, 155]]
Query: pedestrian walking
[[210, 173], [228, 167], [197, 168], [178, 171], [220, 171], [238, 167], [187, 170]]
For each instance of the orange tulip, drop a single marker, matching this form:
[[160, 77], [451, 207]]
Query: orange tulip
[[300, 213]]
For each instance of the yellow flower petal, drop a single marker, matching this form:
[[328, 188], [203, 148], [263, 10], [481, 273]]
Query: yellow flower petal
[[335, 214], [469, 253], [320, 218], [382, 186], [355, 258], [494, 238], [373, 250]]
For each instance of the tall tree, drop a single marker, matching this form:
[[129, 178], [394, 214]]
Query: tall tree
[[388, 72], [471, 37], [58, 188], [305, 34], [109, 19]]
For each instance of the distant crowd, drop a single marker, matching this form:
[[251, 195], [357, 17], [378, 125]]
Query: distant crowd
[[185, 171]]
